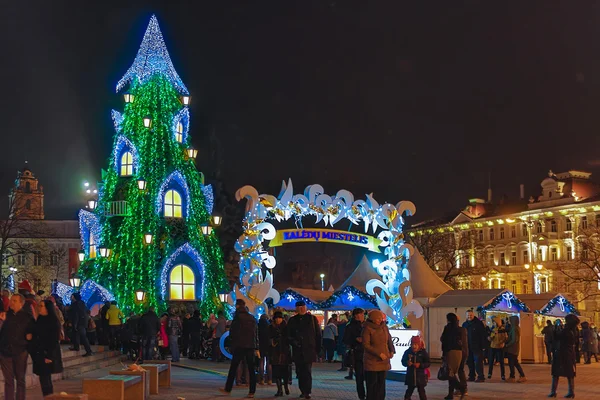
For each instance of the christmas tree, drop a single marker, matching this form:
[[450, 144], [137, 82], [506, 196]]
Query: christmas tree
[[150, 230]]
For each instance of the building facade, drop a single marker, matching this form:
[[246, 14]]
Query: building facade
[[33, 248], [529, 246]]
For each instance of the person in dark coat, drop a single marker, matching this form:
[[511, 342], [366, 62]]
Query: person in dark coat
[[185, 334], [264, 344], [304, 333], [79, 320], [244, 345], [18, 325], [563, 362], [587, 346], [477, 337], [548, 333], [416, 360], [279, 354], [353, 340], [455, 351], [148, 326], [45, 346], [195, 326], [512, 349], [104, 326]]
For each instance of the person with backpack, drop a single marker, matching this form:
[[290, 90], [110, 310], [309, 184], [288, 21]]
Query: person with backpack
[[497, 338], [329, 334]]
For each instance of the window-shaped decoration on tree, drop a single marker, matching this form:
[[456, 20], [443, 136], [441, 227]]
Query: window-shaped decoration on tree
[[182, 284], [179, 132], [126, 164], [92, 249], [173, 208]]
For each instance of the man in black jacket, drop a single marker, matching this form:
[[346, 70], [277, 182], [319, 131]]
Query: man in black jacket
[[148, 326], [353, 339], [18, 325], [243, 336], [304, 334], [477, 336], [79, 320]]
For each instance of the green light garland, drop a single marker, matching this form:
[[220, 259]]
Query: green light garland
[[133, 264]]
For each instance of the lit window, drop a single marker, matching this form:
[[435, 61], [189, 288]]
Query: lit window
[[179, 132], [525, 256], [502, 232], [513, 258], [539, 227], [553, 226], [584, 222], [569, 254], [126, 164], [513, 231], [554, 254], [569, 227], [491, 233], [502, 260], [182, 283], [173, 204], [92, 249]]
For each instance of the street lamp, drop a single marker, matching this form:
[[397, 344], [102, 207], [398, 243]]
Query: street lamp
[[75, 281], [140, 295], [81, 255], [92, 203], [141, 184], [104, 252], [322, 282], [185, 100], [223, 297], [128, 97], [192, 153], [206, 229], [147, 122]]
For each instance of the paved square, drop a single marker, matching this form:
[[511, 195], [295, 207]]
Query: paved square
[[201, 379]]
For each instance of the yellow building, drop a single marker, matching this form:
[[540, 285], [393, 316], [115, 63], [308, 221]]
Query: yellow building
[[528, 246]]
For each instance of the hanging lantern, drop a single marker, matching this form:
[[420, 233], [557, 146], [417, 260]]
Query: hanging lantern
[[102, 251], [75, 281], [128, 97], [206, 229], [216, 220], [92, 203], [81, 255], [140, 295], [147, 122], [223, 297], [192, 153], [141, 184], [148, 238], [185, 100]]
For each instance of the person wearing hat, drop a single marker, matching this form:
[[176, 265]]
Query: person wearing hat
[[416, 361], [243, 335], [563, 361], [353, 340], [304, 333], [378, 352], [280, 353], [78, 317]]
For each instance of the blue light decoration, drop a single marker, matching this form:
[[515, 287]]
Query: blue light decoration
[[505, 301], [89, 224], [169, 262], [123, 143], [90, 290], [10, 283], [64, 292], [179, 178], [182, 116], [209, 197], [564, 305], [152, 58], [393, 292], [289, 297], [117, 118], [348, 298]]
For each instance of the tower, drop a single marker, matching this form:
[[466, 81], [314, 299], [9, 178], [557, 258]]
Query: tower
[[151, 229], [26, 198]]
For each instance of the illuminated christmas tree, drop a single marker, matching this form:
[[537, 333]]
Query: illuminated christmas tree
[[150, 230]]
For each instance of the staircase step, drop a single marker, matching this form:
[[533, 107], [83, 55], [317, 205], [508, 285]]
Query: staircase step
[[74, 364]]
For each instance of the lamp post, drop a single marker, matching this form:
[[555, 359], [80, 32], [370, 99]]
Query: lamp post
[[141, 184], [216, 220], [148, 238], [81, 255], [191, 153], [75, 281], [148, 122], [322, 282], [140, 295]]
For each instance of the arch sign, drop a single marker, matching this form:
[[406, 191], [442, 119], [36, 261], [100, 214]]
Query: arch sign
[[393, 291]]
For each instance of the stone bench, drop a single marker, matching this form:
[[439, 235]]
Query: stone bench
[[115, 387], [66, 397], [142, 374], [164, 372], [155, 371]]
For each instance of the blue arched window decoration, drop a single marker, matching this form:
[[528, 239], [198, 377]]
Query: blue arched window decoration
[[181, 126], [174, 183], [122, 146], [188, 256]]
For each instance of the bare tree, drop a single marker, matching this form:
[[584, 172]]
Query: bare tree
[[452, 254], [19, 237], [582, 271]]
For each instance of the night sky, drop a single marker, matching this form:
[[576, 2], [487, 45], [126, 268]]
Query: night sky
[[408, 100]]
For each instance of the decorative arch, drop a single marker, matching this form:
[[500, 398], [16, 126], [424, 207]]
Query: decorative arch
[[175, 259], [121, 146], [89, 227], [182, 117], [174, 181], [393, 292]]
